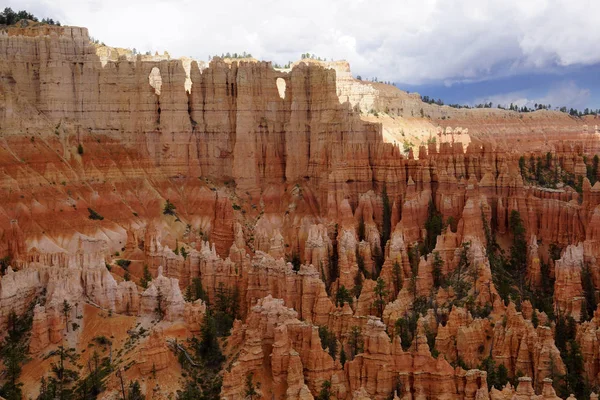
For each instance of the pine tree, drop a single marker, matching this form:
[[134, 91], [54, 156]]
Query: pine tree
[[328, 341], [66, 309], [160, 307], [343, 296], [355, 341], [518, 250], [361, 229], [250, 390], [225, 309], [64, 376], [146, 278], [325, 393], [169, 208], [135, 391], [13, 352], [534, 318], [380, 296], [433, 227], [522, 166], [438, 263], [397, 277], [589, 292], [208, 348], [358, 280], [386, 227]]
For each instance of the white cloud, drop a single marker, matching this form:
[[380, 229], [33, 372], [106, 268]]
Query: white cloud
[[408, 41], [566, 94]]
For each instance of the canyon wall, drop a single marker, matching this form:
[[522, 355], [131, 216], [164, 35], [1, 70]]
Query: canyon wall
[[292, 190]]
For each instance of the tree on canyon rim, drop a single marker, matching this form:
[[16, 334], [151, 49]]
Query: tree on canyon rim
[[10, 17]]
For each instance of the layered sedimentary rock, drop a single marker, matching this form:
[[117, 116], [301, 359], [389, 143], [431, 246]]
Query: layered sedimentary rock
[[282, 189], [567, 288]]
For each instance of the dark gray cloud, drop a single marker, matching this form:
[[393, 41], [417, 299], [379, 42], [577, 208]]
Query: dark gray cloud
[[408, 41]]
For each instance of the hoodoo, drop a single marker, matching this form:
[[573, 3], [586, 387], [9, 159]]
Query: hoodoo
[[176, 229]]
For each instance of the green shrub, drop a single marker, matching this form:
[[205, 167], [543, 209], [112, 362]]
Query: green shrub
[[123, 263], [94, 215], [169, 208]]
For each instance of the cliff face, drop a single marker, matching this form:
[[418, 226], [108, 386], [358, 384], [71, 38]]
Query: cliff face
[[294, 211]]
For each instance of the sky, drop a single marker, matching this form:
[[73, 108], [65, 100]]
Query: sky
[[467, 51]]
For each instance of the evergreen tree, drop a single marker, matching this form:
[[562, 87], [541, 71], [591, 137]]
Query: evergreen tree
[[573, 381], [226, 308], [60, 384], [295, 260], [361, 229], [250, 390], [386, 227], [397, 277], [93, 384], [358, 280], [343, 296], [66, 309], [360, 262], [160, 306], [13, 352], [342, 357], [208, 348], [413, 259], [332, 258], [502, 375], [146, 277], [433, 227], [325, 393], [328, 341], [406, 327], [380, 296], [496, 377], [589, 292], [438, 263], [169, 208], [195, 291], [355, 341], [518, 250], [46, 392], [135, 392], [534, 319], [522, 166]]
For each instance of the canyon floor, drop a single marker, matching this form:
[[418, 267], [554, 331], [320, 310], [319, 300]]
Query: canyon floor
[[176, 229]]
